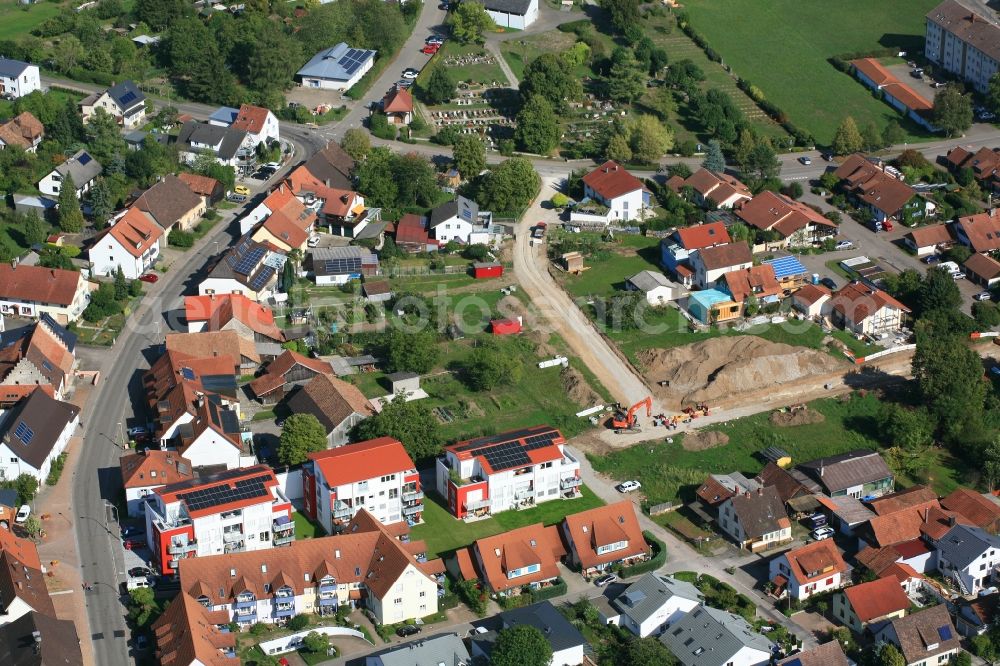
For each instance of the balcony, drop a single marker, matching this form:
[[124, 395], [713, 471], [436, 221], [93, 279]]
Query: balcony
[[477, 505], [182, 547], [233, 547], [570, 482], [245, 605], [284, 610], [232, 537], [283, 539], [413, 495], [524, 493], [341, 510], [328, 601], [412, 509], [283, 526]]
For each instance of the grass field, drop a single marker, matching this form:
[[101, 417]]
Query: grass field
[[480, 72], [782, 47], [18, 20], [443, 533]]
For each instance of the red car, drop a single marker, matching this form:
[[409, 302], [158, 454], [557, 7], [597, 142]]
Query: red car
[[149, 277], [132, 543], [430, 49]]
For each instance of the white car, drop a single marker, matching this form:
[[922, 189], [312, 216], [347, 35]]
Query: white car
[[959, 275], [821, 533], [983, 296], [313, 242], [272, 165], [805, 160], [410, 73], [628, 486], [22, 514], [844, 245]]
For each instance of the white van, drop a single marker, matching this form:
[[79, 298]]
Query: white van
[[22, 514], [950, 267]]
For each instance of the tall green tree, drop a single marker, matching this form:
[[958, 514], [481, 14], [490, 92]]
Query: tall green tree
[[142, 607], [624, 13], [626, 79], [938, 292], [440, 87], [521, 645], [469, 154], [847, 139], [552, 77], [510, 186], [411, 422], [102, 205], [35, 231], [904, 427], [952, 110], [375, 178], [104, 138], [537, 127], [121, 285], [274, 60], [618, 149], [893, 134], [70, 215], [159, 14], [649, 138], [714, 159], [184, 44], [411, 351], [356, 143], [470, 21], [950, 377], [300, 435], [645, 652], [872, 138], [489, 366]]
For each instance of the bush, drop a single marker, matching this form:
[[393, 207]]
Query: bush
[[298, 623], [56, 470], [259, 628], [178, 238], [473, 595], [658, 559]]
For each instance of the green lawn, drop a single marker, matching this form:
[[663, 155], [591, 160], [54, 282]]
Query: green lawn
[[478, 72], [306, 528], [783, 46], [444, 533], [18, 20], [668, 472]]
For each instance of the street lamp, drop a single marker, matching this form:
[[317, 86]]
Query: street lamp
[[121, 431]]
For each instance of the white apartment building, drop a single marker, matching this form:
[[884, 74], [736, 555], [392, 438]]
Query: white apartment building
[[377, 475], [487, 475], [963, 42], [131, 243], [18, 78], [363, 568], [235, 511]]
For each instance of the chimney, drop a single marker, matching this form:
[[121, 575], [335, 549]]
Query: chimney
[[36, 637], [951, 521], [747, 494], [760, 492], [821, 470]]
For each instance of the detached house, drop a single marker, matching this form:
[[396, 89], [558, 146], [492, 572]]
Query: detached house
[[858, 474], [710, 188], [979, 510], [929, 240], [926, 638], [968, 555], [811, 300], [171, 203], [124, 102], [461, 220], [985, 164], [657, 288], [827, 654], [145, 471], [812, 569], [793, 222], [131, 243], [861, 605], [712, 637], [604, 538], [23, 131], [711, 263], [566, 641], [524, 557], [979, 232], [232, 312], [289, 224], [248, 268], [210, 190], [259, 123], [33, 433], [188, 634], [18, 78], [982, 269], [39, 639], [880, 189], [756, 520], [397, 105], [865, 310], [84, 170], [622, 193], [40, 355], [33, 291], [337, 405], [677, 250], [284, 373], [229, 146], [653, 603]]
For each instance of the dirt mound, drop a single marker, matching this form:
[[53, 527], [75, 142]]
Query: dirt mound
[[798, 417], [578, 389], [724, 369], [701, 440]]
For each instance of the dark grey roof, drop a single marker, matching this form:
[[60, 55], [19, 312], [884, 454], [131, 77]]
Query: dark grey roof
[[962, 544], [462, 208], [643, 598], [760, 513], [12, 69], [400, 376], [518, 7], [925, 635], [854, 468], [445, 211], [229, 140], [447, 649], [127, 95], [82, 166], [332, 166], [33, 426], [543, 616], [371, 230], [57, 642], [711, 637]]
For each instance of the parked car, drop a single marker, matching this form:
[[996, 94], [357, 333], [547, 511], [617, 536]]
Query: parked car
[[435, 39], [628, 486], [141, 642], [410, 73], [822, 533], [408, 630], [805, 160], [313, 242], [135, 431], [151, 278], [606, 579], [22, 514], [132, 530], [829, 283], [131, 543], [983, 296], [242, 189], [844, 245], [135, 582], [272, 165], [237, 198], [136, 572], [405, 83], [959, 275], [430, 49], [932, 259]]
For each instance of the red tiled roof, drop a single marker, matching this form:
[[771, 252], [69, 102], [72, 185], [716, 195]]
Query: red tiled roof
[[932, 234], [725, 256], [810, 293], [200, 185], [611, 180], [219, 310], [769, 210], [136, 231], [250, 119], [154, 468], [756, 280], [703, 235], [904, 525], [602, 526], [982, 230], [981, 511], [869, 183], [22, 130], [819, 559], [877, 599], [983, 265], [188, 632], [365, 460], [39, 284], [903, 499], [857, 302], [516, 549], [713, 493], [398, 100], [901, 571], [275, 375], [886, 80], [411, 229]]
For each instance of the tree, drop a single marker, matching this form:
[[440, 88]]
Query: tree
[[70, 215], [121, 285], [356, 143], [510, 186], [661, 102], [938, 291], [299, 622], [273, 60], [315, 642], [889, 655], [991, 469], [950, 377], [521, 645], [618, 149], [469, 154], [102, 205], [33, 526], [952, 110], [489, 366], [411, 352], [714, 159], [648, 138], [624, 13], [411, 422], [470, 21], [552, 77], [872, 137], [159, 14], [907, 428], [847, 139], [104, 138], [440, 87], [762, 163], [35, 231], [752, 306], [301, 434], [626, 79], [645, 652], [26, 486], [893, 134], [993, 94], [986, 314], [142, 607], [537, 126]]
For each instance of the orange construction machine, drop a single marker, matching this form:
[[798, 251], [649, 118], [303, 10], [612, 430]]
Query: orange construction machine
[[626, 421]]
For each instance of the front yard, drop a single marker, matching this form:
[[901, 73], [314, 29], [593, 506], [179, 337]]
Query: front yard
[[444, 533]]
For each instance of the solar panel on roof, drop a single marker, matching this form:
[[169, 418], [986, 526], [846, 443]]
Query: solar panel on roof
[[24, 433], [249, 260], [128, 97], [945, 633], [84, 159]]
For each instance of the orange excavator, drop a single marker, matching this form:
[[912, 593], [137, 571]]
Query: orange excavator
[[626, 421]]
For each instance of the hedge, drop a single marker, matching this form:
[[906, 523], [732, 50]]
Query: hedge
[[557, 589], [658, 559]]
